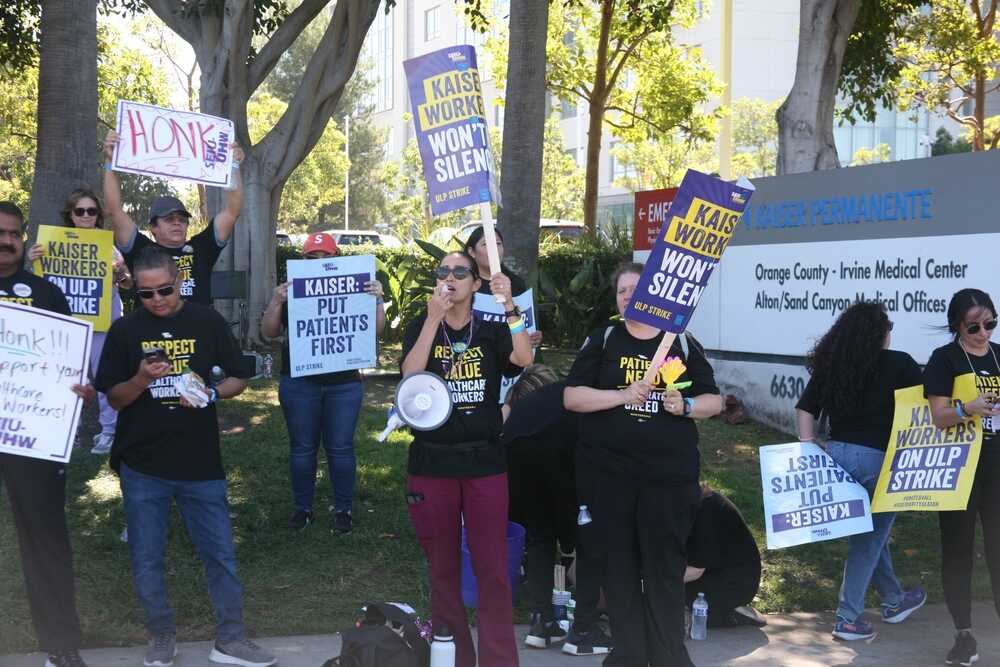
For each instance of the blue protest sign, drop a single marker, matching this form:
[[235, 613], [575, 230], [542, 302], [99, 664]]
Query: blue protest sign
[[331, 320], [450, 122]]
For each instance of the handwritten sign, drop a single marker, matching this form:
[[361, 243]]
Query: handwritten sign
[[42, 354], [808, 497], [331, 319], [180, 145], [78, 262], [486, 307]]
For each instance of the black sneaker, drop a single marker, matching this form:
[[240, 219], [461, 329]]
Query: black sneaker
[[341, 523], [300, 520], [593, 642], [543, 633], [964, 652], [65, 659]]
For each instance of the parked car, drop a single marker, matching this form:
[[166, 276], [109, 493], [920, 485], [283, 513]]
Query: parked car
[[548, 228], [355, 236]]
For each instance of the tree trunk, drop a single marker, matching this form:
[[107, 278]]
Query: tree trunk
[[805, 119], [253, 239], [598, 98], [979, 143], [67, 153], [523, 136]]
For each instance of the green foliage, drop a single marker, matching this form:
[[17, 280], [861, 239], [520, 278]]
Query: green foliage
[[879, 153], [19, 34], [945, 144], [661, 162], [562, 178], [755, 137]]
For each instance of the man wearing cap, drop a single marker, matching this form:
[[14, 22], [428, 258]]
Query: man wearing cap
[[168, 222]]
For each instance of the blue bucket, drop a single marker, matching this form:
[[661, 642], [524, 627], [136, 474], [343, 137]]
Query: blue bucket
[[515, 551]]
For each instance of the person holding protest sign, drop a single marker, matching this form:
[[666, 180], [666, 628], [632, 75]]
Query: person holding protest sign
[[167, 449], [972, 317], [168, 222], [639, 441], [319, 407], [83, 210], [854, 375], [459, 469], [37, 488]]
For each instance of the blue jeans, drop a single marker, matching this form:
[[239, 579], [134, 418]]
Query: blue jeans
[[868, 557], [314, 411], [203, 507]]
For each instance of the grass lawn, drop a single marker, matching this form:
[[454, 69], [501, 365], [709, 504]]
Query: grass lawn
[[314, 582]]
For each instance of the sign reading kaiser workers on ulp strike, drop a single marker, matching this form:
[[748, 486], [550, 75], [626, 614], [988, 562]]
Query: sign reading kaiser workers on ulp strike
[[450, 122], [78, 262], [703, 217]]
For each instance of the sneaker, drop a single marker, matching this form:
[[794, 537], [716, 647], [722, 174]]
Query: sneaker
[[964, 652], [341, 523], [65, 659], [241, 652], [102, 443], [593, 642], [543, 633], [859, 629], [300, 520], [162, 651], [747, 615], [913, 600]]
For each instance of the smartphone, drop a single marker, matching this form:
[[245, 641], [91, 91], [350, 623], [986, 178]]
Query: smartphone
[[154, 354]]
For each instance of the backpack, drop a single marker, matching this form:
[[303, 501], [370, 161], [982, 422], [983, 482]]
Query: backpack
[[373, 643], [685, 340]]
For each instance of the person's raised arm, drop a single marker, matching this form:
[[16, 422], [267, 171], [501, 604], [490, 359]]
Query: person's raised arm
[[946, 415], [125, 393], [123, 225], [522, 354], [270, 323], [416, 359], [225, 220], [374, 287]]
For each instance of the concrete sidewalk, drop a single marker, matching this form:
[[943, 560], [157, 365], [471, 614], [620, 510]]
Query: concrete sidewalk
[[789, 640]]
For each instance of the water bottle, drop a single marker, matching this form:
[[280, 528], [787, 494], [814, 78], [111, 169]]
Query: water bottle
[[583, 518], [217, 376], [443, 648], [268, 364], [699, 618]]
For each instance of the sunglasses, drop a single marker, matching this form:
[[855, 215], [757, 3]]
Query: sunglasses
[[166, 290], [460, 272], [85, 212], [974, 328]]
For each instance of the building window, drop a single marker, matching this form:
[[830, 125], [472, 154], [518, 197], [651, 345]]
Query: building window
[[379, 47], [617, 169], [432, 23], [567, 109], [498, 116]]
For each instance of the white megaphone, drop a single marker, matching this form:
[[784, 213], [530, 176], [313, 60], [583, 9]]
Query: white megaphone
[[423, 402]]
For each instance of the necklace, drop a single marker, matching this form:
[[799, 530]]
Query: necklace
[[459, 347], [969, 360]]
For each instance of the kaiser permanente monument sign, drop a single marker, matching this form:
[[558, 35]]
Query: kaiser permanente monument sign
[[908, 234]]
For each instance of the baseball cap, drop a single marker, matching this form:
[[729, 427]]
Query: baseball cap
[[164, 206], [321, 241]]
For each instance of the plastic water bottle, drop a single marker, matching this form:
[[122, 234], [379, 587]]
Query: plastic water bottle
[[443, 648], [268, 365], [583, 518], [217, 376], [699, 618]]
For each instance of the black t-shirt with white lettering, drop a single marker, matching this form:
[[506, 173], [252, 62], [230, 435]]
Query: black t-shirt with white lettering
[[28, 289], [870, 424], [195, 260], [155, 435], [339, 377], [949, 361], [638, 441], [468, 444]]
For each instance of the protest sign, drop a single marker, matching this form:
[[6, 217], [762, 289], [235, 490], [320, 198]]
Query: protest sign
[[926, 468], [182, 145], [42, 354], [78, 262], [702, 218], [486, 307], [331, 319], [808, 497], [450, 123]]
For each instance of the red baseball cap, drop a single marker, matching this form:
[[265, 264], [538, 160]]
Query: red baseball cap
[[321, 241]]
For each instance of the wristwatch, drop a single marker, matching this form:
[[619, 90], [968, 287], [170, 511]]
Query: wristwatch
[[688, 407], [515, 312]]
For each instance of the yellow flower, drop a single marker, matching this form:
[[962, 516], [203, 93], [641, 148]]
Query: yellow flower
[[672, 369]]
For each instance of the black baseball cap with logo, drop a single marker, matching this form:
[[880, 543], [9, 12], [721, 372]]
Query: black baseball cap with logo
[[164, 206]]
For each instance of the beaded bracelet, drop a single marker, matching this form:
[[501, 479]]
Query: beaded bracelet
[[517, 326]]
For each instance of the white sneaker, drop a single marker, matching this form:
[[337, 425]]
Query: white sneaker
[[102, 443]]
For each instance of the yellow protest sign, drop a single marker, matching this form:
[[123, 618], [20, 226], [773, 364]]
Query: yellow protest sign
[[78, 261], [926, 468]]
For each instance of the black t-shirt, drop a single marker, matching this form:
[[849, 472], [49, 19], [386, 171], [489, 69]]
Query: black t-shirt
[[28, 289], [949, 361], [339, 377], [517, 285], [195, 260], [720, 538], [155, 435], [638, 441], [468, 444], [870, 424]]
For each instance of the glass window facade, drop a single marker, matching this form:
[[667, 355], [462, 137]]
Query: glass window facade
[[905, 133], [432, 23], [379, 47]]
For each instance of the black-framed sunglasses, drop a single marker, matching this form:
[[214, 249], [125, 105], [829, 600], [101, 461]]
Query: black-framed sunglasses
[[460, 272], [974, 327], [166, 290], [81, 212]]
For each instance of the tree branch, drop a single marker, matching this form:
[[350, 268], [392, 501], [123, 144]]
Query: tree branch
[[626, 55], [282, 39], [237, 34], [169, 11], [568, 91]]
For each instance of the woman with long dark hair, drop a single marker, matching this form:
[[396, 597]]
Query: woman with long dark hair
[[458, 471], [972, 317], [854, 376]]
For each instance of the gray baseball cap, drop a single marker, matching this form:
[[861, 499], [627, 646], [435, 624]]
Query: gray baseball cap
[[164, 206]]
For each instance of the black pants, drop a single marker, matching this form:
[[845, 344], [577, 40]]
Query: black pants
[[958, 533], [645, 527], [591, 554], [37, 493], [725, 589]]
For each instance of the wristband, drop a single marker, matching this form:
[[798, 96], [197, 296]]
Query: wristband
[[517, 326], [688, 407], [108, 166], [960, 411], [213, 395]]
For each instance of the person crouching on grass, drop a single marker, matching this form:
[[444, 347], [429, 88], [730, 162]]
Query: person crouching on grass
[[167, 450], [459, 469]]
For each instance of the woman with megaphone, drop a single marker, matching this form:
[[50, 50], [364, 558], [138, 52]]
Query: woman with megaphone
[[457, 472]]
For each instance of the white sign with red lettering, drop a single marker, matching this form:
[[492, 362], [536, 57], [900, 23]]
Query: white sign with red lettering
[[181, 145]]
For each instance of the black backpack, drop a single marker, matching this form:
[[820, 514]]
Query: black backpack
[[373, 643]]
